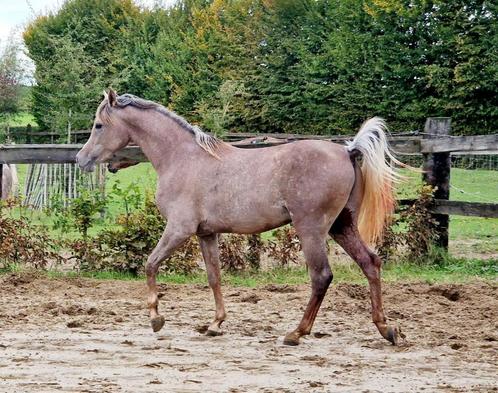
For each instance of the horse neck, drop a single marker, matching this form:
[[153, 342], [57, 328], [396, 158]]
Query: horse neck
[[164, 142]]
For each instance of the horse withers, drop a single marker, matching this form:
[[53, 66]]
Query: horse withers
[[207, 187]]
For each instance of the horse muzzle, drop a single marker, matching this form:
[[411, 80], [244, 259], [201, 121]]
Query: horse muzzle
[[86, 164]]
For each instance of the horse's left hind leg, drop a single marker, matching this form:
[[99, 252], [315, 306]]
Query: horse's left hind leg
[[345, 233], [315, 252], [211, 255]]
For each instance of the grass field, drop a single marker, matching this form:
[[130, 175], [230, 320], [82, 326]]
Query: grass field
[[450, 270]]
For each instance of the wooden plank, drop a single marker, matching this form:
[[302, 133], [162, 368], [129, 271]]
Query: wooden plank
[[411, 145], [474, 209], [459, 208], [57, 154], [460, 144]]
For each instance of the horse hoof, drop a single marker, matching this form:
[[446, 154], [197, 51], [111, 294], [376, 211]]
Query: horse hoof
[[157, 323], [291, 339], [394, 334], [214, 332]]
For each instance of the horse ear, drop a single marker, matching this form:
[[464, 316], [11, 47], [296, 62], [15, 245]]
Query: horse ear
[[105, 95], [112, 97]]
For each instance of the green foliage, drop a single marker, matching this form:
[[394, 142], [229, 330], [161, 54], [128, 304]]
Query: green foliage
[[75, 52], [12, 73], [126, 247], [84, 209], [301, 66], [129, 196], [69, 86], [80, 214]]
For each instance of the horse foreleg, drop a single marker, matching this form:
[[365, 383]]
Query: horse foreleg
[[169, 242], [315, 253], [349, 239], [210, 253]]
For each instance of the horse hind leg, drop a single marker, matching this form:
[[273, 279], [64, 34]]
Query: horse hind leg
[[345, 232], [210, 253], [315, 253]]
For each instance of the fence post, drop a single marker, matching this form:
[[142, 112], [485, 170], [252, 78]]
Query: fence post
[[437, 168], [29, 129]]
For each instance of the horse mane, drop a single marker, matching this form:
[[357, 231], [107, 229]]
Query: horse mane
[[208, 143]]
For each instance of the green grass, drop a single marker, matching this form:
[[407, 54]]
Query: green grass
[[142, 174], [447, 270], [470, 186]]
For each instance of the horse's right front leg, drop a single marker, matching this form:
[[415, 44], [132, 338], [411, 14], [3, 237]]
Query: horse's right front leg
[[169, 242]]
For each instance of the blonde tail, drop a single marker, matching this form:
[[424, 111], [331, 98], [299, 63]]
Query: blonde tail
[[379, 177]]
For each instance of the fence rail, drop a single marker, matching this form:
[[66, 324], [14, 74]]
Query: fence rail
[[435, 144], [66, 153]]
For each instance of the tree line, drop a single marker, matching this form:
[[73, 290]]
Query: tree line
[[293, 66]]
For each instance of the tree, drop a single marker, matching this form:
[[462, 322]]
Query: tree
[[69, 84], [84, 38], [11, 78]]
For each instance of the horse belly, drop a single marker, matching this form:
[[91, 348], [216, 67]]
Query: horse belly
[[249, 215]]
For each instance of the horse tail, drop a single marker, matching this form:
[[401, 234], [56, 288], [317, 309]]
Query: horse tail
[[379, 177]]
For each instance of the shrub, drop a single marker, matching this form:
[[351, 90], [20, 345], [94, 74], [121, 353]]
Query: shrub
[[411, 234], [126, 248], [24, 243], [81, 213], [255, 247], [285, 247], [232, 252]]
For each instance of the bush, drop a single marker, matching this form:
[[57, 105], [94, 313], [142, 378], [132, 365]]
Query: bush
[[127, 247], [285, 247], [232, 252], [411, 236], [24, 243]]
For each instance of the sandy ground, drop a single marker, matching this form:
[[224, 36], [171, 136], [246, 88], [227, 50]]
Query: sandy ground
[[81, 335]]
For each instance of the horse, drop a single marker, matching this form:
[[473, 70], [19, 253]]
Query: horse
[[207, 187], [10, 182]]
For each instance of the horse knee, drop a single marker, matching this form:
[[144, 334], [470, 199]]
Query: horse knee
[[322, 280], [151, 268]]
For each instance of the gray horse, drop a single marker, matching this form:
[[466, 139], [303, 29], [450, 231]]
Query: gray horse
[[206, 187]]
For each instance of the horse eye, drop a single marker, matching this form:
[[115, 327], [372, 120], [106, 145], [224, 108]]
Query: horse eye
[[98, 126]]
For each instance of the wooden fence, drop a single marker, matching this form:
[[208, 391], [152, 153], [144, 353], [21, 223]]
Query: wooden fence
[[435, 144]]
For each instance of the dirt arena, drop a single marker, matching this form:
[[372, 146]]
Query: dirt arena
[[82, 335]]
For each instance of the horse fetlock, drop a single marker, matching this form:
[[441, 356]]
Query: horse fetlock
[[157, 323]]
